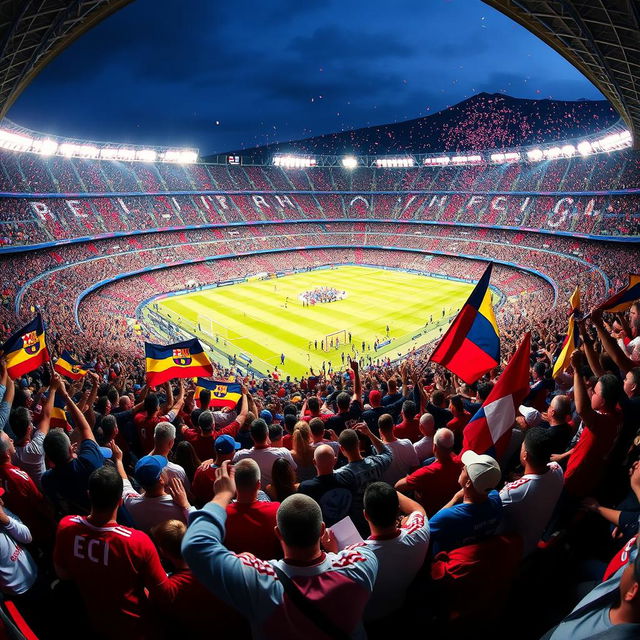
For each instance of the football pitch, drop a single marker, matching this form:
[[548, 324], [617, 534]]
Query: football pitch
[[262, 319]]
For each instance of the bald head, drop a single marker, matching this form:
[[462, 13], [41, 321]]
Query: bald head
[[427, 425], [325, 459], [560, 408]]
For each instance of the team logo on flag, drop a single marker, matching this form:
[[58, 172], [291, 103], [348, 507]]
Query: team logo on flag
[[220, 391], [30, 343], [182, 357]]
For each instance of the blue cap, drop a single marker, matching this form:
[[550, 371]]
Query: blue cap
[[265, 414], [225, 444], [148, 470], [106, 452]]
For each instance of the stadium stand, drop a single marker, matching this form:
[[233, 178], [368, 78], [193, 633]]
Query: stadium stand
[[500, 545]]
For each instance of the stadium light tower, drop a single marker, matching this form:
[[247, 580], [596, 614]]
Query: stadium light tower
[[349, 162]]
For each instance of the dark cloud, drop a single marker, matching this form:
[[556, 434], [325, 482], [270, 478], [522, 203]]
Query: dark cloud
[[221, 75]]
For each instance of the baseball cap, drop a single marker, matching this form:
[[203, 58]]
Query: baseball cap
[[484, 472], [531, 416], [265, 414], [148, 469], [375, 398], [225, 444]]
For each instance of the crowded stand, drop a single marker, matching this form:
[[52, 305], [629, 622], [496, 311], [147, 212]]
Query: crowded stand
[[148, 509]]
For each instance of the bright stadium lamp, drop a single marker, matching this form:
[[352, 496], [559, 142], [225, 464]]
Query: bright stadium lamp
[[584, 148], [535, 155], [349, 162]]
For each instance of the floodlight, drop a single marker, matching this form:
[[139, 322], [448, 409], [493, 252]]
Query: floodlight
[[349, 162]]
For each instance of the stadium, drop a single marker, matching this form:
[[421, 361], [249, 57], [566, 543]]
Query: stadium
[[307, 271]]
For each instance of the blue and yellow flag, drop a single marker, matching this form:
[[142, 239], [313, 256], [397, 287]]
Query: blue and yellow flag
[[66, 365], [624, 298], [571, 339], [58, 414], [26, 349], [180, 360], [471, 346], [223, 394]]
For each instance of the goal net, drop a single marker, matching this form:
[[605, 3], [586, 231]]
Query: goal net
[[335, 340], [211, 327]]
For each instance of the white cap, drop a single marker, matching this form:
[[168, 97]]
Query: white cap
[[531, 416], [484, 472]]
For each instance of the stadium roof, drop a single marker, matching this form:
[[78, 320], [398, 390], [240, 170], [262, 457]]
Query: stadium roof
[[33, 32], [601, 38]]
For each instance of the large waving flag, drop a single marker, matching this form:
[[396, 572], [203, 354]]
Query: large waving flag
[[184, 359], [66, 365], [26, 349], [471, 345], [223, 394], [571, 339], [489, 430], [624, 298]]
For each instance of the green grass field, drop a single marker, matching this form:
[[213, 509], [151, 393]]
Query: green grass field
[[251, 317]]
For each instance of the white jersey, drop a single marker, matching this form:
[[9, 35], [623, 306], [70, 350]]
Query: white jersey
[[528, 504], [147, 512], [18, 571], [174, 470], [424, 448], [30, 458], [404, 460], [265, 459], [399, 560]]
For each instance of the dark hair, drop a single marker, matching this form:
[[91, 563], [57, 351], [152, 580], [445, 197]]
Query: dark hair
[[317, 426], [385, 423], [456, 401], [105, 488], [409, 409], [314, 404], [610, 386], [205, 421], [151, 403], [538, 443], [205, 398], [290, 409], [343, 400], [275, 431], [283, 478], [437, 397], [101, 404], [381, 504], [484, 389], [20, 420], [349, 441], [112, 394], [635, 374], [185, 455], [56, 446], [539, 369], [290, 420], [259, 430], [300, 521], [108, 424]]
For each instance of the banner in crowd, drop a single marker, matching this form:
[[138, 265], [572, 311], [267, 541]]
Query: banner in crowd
[[223, 394], [26, 349], [471, 345], [58, 415], [571, 339], [624, 298], [185, 359], [489, 431], [66, 365]]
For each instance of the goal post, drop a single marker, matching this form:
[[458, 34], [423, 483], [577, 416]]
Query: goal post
[[335, 340], [211, 327]]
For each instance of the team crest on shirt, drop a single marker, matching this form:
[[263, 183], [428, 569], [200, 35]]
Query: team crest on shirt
[[30, 343], [220, 391], [182, 357], [75, 368]]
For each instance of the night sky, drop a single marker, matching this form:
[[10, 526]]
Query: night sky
[[224, 75]]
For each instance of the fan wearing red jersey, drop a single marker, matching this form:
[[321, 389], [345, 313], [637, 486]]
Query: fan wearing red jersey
[[110, 564]]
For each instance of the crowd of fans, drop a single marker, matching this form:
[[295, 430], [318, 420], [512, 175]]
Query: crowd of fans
[[155, 511], [549, 196]]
